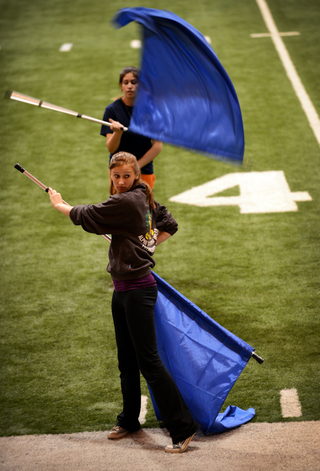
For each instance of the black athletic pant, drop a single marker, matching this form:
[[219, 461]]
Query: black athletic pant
[[133, 316]]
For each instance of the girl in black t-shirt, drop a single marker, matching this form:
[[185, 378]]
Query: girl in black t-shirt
[[119, 115]]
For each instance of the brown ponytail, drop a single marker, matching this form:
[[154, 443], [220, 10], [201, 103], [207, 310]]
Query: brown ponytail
[[124, 158]]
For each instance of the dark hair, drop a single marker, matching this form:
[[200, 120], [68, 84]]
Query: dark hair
[[124, 158], [129, 70]]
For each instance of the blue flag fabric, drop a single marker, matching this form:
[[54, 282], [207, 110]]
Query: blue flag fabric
[[204, 359], [185, 96]]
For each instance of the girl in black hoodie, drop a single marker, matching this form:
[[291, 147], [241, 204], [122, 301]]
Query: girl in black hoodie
[[137, 224]]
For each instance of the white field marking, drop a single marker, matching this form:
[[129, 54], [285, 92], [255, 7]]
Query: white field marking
[[290, 404], [208, 39], [144, 410], [299, 89], [66, 47], [260, 192], [268, 35], [135, 44]]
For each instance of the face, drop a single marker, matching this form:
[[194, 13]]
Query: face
[[129, 85], [123, 177]]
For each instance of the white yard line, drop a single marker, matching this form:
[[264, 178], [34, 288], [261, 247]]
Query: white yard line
[[290, 404], [299, 89]]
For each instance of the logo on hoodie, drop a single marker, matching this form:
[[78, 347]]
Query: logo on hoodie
[[149, 239]]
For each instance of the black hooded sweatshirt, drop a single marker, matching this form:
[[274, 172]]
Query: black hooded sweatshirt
[[134, 229]]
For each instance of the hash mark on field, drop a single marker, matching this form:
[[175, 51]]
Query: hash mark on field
[[66, 47], [144, 410], [135, 44], [268, 35], [290, 404]]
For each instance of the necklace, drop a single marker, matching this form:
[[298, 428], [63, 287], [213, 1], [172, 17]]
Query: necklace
[[129, 109]]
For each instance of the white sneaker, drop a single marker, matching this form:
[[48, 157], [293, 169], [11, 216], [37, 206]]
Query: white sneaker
[[179, 447]]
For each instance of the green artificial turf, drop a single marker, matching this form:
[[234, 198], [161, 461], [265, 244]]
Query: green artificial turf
[[255, 274]]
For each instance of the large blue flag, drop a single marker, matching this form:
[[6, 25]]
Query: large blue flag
[[204, 359], [185, 96]]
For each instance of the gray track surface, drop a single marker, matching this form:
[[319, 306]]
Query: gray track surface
[[293, 446]]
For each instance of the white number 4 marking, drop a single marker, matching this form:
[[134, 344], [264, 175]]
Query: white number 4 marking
[[260, 192]]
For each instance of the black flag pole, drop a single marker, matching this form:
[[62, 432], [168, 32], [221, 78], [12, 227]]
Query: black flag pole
[[257, 358], [49, 106], [105, 236]]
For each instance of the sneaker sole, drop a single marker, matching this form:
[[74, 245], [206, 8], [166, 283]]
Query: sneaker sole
[[185, 445]]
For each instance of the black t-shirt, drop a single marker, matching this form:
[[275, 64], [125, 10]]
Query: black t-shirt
[[130, 142]]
